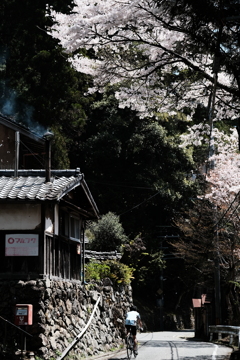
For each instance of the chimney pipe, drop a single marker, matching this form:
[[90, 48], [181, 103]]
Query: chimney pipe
[[17, 143], [48, 136]]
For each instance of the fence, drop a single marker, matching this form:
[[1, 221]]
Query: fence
[[228, 330]]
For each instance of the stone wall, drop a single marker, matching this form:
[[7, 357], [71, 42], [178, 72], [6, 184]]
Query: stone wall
[[61, 310]]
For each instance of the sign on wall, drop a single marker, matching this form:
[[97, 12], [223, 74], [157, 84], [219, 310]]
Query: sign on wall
[[21, 245]]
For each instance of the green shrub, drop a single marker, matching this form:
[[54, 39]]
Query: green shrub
[[118, 272], [106, 234], [95, 270]]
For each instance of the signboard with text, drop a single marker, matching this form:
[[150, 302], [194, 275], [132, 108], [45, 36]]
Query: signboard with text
[[21, 245], [23, 314]]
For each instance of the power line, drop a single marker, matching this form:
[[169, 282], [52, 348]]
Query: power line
[[120, 185], [140, 203]]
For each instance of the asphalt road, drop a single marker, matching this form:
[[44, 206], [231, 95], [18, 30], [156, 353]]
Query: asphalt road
[[175, 345]]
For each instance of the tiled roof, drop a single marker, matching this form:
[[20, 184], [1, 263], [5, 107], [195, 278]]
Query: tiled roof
[[36, 188], [100, 255]]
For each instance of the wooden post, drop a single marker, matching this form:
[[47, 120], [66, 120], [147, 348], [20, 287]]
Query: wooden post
[[17, 143]]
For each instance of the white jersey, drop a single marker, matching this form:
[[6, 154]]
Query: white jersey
[[131, 318]]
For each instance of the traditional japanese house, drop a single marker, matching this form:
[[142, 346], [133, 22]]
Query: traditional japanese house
[[42, 211]]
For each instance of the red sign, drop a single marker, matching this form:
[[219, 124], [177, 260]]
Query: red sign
[[21, 245]]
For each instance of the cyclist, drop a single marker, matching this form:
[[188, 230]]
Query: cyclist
[[132, 320]]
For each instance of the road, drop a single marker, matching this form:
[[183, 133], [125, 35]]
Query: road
[[175, 345]]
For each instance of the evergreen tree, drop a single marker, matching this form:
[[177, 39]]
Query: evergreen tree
[[37, 84], [134, 166], [106, 234]]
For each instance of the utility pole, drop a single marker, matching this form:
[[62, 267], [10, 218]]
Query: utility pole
[[160, 302], [216, 67]]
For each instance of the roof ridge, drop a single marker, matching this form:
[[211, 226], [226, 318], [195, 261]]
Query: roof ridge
[[40, 172]]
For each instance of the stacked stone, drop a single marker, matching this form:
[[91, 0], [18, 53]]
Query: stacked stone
[[62, 310]]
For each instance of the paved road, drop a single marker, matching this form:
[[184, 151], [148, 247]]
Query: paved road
[[175, 345]]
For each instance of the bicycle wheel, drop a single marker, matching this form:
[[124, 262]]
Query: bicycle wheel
[[130, 351]]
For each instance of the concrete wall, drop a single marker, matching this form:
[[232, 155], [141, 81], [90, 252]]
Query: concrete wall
[[61, 309]]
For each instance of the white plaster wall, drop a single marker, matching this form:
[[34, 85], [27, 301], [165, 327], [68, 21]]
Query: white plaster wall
[[49, 225], [20, 216], [56, 219], [49, 214]]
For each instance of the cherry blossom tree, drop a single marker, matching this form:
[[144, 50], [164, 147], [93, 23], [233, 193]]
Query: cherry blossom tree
[[223, 177], [165, 55], [210, 231]]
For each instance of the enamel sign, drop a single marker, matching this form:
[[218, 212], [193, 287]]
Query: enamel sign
[[21, 245]]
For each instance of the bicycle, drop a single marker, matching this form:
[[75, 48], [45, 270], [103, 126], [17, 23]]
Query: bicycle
[[130, 346]]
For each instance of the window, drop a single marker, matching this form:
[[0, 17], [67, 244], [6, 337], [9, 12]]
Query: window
[[74, 228], [71, 226]]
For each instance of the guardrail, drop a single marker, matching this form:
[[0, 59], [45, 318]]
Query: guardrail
[[225, 329]]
